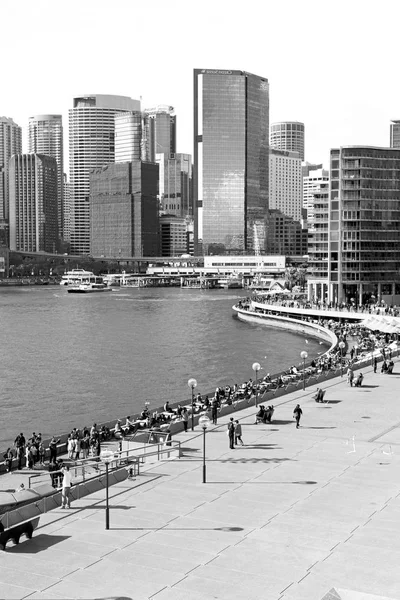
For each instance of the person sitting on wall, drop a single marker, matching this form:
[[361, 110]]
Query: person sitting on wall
[[118, 431], [167, 407], [319, 396], [359, 380]]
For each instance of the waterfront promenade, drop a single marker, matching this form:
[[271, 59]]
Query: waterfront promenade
[[289, 516]]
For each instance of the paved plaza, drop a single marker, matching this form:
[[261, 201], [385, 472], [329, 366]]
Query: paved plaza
[[293, 515]]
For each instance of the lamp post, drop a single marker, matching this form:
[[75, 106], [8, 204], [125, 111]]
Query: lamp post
[[106, 457], [204, 421], [304, 355], [342, 346], [192, 383], [256, 367]]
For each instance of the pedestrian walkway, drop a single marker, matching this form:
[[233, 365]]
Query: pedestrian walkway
[[292, 515]]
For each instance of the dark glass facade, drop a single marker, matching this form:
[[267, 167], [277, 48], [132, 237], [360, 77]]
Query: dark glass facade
[[231, 130]]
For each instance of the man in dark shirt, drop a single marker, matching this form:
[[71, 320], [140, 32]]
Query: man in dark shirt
[[297, 415]]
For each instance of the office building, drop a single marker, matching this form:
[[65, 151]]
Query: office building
[[395, 134], [159, 132], [314, 182], [10, 143], [285, 235], [173, 236], [128, 136], [230, 175], [45, 136], [176, 189], [33, 203], [364, 224], [67, 211], [285, 182], [288, 135], [124, 210], [91, 145]]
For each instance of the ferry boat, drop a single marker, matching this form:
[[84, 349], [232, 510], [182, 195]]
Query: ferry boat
[[95, 284], [76, 277]]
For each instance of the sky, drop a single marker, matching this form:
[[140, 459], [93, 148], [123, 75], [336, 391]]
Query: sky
[[332, 65]]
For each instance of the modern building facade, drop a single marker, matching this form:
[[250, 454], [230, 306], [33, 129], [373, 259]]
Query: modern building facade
[[33, 203], [288, 135], [91, 146], [364, 224], [124, 210], [10, 143], [230, 176], [128, 136], [285, 182], [318, 234], [45, 136], [159, 132], [313, 183], [176, 191], [285, 235], [395, 134], [173, 236]]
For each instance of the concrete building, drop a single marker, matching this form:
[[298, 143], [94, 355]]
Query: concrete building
[[91, 146], [124, 210], [159, 132], [288, 135], [395, 134], [230, 176], [128, 136], [45, 136], [318, 245], [316, 180], [173, 236], [176, 191], [285, 182], [67, 210], [33, 203], [10, 143], [364, 217]]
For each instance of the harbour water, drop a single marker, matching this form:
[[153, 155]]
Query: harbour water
[[68, 360]]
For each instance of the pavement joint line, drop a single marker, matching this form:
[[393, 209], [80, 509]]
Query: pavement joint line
[[335, 546], [95, 562], [350, 536], [304, 576], [249, 532], [309, 568], [329, 555], [372, 514], [286, 588], [353, 530], [193, 569], [158, 591], [211, 560], [376, 437]]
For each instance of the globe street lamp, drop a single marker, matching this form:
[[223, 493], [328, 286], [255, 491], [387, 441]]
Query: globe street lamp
[[106, 457], [192, 383], [304, 355], [204, 421], [256, 367], [342, 346]]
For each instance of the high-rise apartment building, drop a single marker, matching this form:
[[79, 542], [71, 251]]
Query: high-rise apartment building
[[128, 136], [316, 180], [124, 210], [230, 176], [318, 234], [364, 217], [285, 182], [67, 203], [288, 135], [91, 145], [33, 203], [159, 132], [45, 136], [10, 143], [176, 191], [395, 134]]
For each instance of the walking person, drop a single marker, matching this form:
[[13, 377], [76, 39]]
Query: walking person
[[350, 376], [66, 488], [238, 433], [185, 418], [231, 434], [375, 364], [297, 415]]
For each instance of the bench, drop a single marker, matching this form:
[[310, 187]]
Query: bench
[[14, 533]]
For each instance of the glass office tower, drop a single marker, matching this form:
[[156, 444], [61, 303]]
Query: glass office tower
[[231, 131]]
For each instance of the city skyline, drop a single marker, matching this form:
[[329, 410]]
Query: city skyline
[[351, 106]]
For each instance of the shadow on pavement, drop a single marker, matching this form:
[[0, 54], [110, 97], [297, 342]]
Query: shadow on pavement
[[37, 544], [252, 460]]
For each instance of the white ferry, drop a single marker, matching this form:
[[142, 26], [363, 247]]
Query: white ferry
[[76, 277], [95, 284]]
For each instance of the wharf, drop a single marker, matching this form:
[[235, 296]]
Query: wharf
[[292, 515]]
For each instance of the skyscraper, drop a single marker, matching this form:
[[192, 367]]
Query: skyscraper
[[288, 135], [285, 182], [128, 136], [230, 177], [395, 134], [176, 191], [159, 131], [45, 136], [33, 203], [10, 143], [91, 145]]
